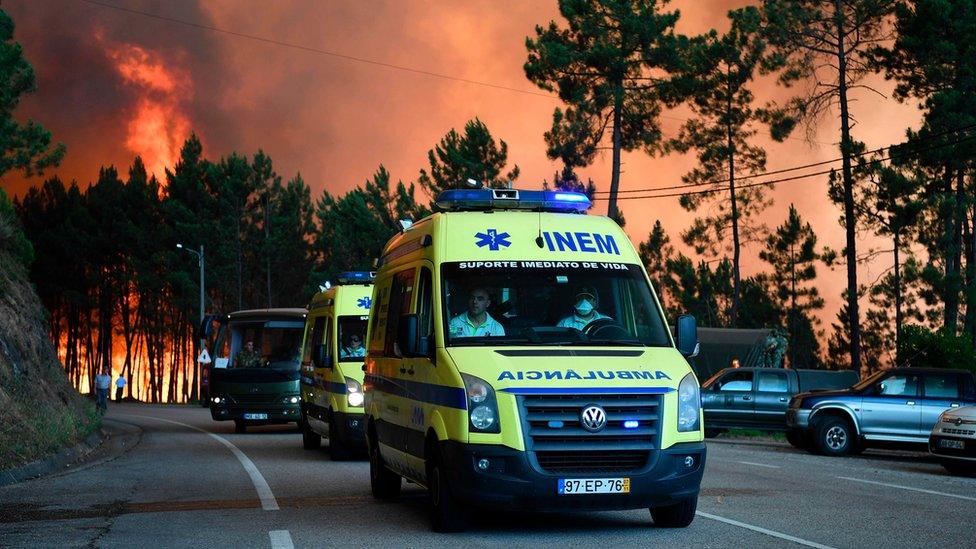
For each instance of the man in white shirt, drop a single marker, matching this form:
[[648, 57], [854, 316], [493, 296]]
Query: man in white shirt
[[584, 310], [476, 322], [103, 382], [119, 387]]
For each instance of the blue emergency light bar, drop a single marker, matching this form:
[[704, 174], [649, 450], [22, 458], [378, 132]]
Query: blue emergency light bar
[[512, 199], [356, 277]]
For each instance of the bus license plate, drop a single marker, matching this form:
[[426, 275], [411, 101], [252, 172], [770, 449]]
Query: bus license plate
[[577, 486], [255, 416], [954, 444]]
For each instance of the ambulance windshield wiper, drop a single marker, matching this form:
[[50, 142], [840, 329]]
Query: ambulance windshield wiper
[[605, 342]]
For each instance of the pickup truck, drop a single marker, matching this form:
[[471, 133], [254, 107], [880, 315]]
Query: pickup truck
[[900, 405], [758, 398]]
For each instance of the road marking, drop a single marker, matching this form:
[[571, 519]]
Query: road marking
[[759, 464], [761, 530], [268, 501], [922, 490], [281, 539]]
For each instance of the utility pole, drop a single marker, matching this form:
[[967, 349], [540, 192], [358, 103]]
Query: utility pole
[[201, 343]]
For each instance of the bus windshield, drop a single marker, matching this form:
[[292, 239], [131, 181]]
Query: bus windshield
[[272, 344], [504, 303]]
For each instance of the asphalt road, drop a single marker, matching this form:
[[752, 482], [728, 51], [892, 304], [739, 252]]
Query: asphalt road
[[185, 480]]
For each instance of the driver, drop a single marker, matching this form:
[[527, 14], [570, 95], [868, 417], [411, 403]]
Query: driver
[[354, 349], [584, 310], [476, 322], [248, 357]]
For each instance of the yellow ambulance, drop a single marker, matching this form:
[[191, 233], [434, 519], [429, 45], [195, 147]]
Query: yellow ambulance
[[332, 365], [518, 358]]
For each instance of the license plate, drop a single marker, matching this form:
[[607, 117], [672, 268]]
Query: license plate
[[255, 416], [954, 444], [577, 486]]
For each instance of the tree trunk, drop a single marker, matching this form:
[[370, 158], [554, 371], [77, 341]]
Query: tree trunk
[[736, 278], [970, 287], [897, 291], [850, 221], [954, 253], [618, 105]]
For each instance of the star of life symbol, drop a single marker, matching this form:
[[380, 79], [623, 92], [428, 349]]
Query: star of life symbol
[[364, 302], [493, 239]]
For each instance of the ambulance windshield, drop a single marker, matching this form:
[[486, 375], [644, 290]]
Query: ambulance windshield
[[550, 303]]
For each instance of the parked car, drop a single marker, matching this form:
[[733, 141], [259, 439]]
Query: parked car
[[953, 440], [900, 405], [757, 398]]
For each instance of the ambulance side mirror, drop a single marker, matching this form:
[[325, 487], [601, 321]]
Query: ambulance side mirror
[[686, 336], [409, 340], [320, 356]]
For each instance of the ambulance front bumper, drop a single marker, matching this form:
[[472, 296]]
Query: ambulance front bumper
[[509, 479]]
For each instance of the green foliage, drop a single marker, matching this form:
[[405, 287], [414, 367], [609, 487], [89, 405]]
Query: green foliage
[[919, 346], [12, 238], [27, 146], [605, 67], [474, 155]]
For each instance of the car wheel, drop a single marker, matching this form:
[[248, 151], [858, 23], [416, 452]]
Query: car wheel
[[959, 468], [835, 437], [796, 439], [337, 450], [310, 439], [678, 515], [240, 426], [384, 484], [446, 513]]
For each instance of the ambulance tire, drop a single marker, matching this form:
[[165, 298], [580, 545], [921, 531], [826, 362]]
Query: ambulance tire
[[337, 450], [240, 426], [310, 439], [384, 483], [446, 513], [679, 515]]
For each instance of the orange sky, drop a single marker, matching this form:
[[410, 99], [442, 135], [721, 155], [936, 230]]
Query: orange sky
[[114, 84]]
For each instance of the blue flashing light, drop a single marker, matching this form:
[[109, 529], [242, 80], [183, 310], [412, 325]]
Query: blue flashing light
[[513, 199], [356, 277], [631, 424], [556, 424]]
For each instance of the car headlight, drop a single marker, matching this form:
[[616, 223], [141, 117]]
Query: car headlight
[[354, 392], [689, 404], [216, 400], [482, 406], [290, 399]]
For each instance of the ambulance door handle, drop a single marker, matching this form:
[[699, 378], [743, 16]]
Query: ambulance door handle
[[410, 371]]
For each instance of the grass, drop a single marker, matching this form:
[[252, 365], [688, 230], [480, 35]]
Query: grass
[[46, 432], [755, 434]]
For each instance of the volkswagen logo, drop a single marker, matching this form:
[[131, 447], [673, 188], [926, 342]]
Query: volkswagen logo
[[593, 418]]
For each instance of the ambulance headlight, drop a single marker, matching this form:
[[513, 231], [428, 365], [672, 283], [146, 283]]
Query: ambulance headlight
[[689, 404], [354, 392], [482, 406]]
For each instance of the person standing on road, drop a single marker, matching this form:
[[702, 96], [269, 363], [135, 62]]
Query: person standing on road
[[103, 382], [119, 387]]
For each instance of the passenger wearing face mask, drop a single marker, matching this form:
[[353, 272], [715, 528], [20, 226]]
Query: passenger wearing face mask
[[584, 310]]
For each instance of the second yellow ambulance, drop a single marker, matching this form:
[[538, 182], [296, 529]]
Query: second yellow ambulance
[[518, 358]]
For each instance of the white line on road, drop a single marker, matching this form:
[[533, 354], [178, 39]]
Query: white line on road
[[268, 501], [759, 464], [281, 539], [761, 530], [922, 490]]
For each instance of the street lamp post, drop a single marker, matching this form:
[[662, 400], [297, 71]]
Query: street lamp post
[[200, 263]]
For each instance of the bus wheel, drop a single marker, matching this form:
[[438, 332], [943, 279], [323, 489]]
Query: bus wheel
[[384, 483], [446, 513], [240, 426], [310, 439], [678, 515], [337, 450]]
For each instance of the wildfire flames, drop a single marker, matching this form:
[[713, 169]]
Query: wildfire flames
[[159, 125]]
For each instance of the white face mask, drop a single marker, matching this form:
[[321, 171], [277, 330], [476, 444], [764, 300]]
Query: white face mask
[[584, 307]]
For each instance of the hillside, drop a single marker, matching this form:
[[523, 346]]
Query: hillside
[[39, 410]]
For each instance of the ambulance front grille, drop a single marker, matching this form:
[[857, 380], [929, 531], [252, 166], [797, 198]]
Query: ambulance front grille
[[553, 433]]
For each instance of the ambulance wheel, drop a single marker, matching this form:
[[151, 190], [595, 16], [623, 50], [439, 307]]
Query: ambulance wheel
[[240, 426], [310, 439], [678, 515], [337, 450], [446, 513], [384, 483]]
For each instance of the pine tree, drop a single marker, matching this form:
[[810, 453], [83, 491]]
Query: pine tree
[[791, 252], [458, 158], [604, 66]]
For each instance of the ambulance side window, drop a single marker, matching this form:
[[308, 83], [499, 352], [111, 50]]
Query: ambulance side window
[[329, 347], [313, 338], [378, 320], [425, 303], [401, 296]]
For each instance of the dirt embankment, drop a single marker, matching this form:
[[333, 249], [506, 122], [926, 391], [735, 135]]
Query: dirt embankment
[[40, 411]]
